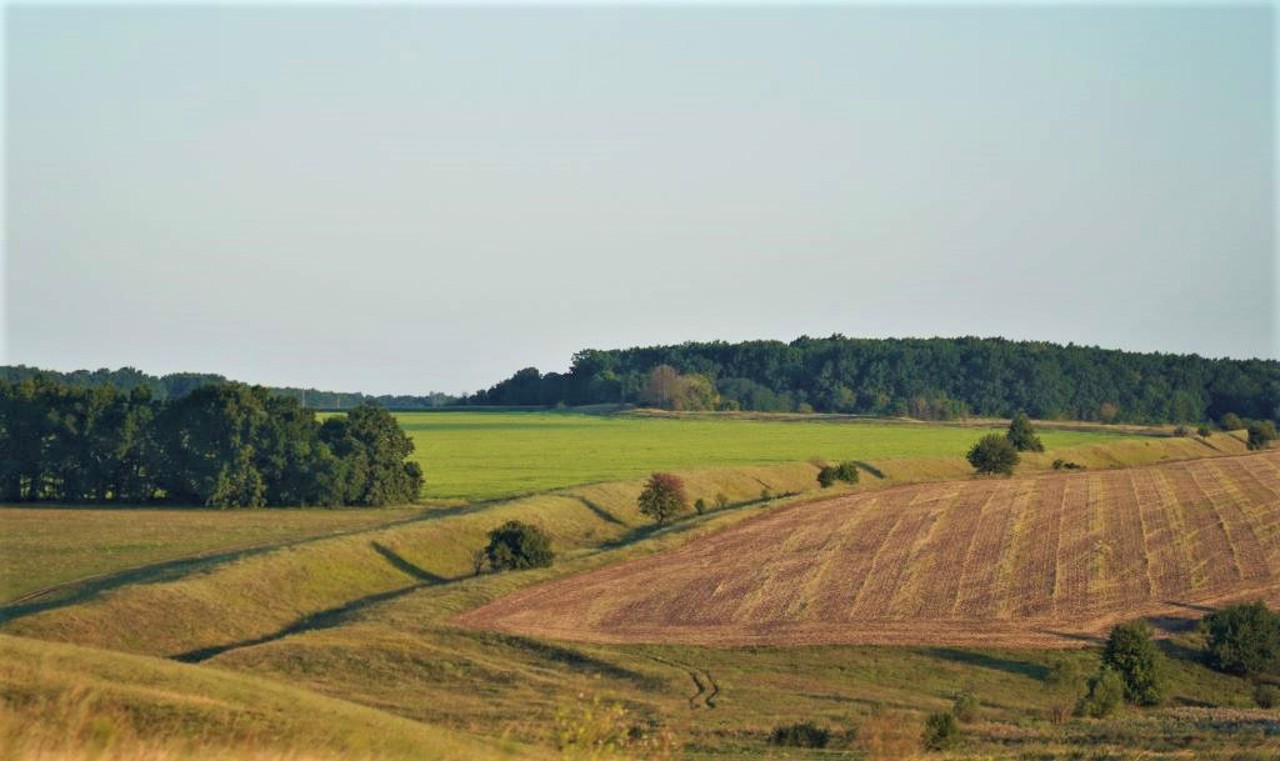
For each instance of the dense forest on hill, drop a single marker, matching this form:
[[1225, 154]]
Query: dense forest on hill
[[178, 385], [934, 378], [220, 445]]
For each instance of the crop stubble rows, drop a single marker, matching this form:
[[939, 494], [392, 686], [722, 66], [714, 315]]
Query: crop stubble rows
[[1047, 560]]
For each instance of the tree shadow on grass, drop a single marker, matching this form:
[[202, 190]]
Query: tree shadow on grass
[[404, 566], [969, 658], [873, 470], [600, 512]]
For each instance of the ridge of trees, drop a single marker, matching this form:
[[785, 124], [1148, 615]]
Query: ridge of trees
[[178, 385], [220, 445], [933, 378]]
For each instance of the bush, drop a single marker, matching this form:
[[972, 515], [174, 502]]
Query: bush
[[940, 732], [515, 545], [826, 476], [847, 471], [1204, 432], [803, 735], [1022, 435], [1181, 431], [1243, 639], [1105, 695], [1135, 657], [1061, 464], [965, 707], [699, 505], [663, 497], [994, 454], [1261, 433], [1266, 695], [1231, 422]]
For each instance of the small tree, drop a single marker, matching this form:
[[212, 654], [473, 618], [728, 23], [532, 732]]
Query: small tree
[[826, 476], [1243, 639], [1105, 695], [1261, 433], [847, 471], [1135, 657], [1022, 435], [663, 497], [515, 545], [994, 454], [1231, 422], [700, 506]]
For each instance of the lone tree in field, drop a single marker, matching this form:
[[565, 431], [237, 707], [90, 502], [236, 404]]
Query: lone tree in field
[[1135, 657], [994, 454], [1243, 639], [1022, 435], [515, 545], [663, 497]]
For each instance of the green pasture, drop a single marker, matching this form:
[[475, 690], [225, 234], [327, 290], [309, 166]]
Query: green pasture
[[483, 455]]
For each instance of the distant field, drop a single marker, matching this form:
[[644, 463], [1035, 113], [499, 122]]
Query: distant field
[[1038, 561], [483, 455], [42, 547]]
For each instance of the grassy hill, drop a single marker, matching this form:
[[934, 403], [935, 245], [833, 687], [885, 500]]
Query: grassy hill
[[61, 701]]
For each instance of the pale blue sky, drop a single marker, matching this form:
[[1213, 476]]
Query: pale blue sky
[[406, 198]]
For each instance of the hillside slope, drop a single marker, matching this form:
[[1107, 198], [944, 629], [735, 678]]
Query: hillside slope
[[1046, 560]]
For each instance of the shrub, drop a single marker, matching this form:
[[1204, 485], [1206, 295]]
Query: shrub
[[940, 732], [803, 735], [1105, 695], [766, 494], [993, 454], [1022, 435], [1266, 695], [1181, 431], [965, 707], [847, 471], [1061, 464], [1204, 432], [699, 505], [1243, 639], [826, 476], [1135, 657], [1231, 422], [515, 545], [663, 497], [1261, 433]]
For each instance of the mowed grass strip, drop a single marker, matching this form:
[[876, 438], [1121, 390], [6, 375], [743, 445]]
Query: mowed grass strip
[[41, 547], [482, 455]]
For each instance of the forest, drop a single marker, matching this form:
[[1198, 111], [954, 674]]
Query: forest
[[934, 379], [219, 445]]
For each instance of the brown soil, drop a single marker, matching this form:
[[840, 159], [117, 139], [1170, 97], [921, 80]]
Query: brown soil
[[1045, 561]]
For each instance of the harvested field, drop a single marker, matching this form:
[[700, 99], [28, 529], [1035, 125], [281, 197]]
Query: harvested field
[[1047, 560]]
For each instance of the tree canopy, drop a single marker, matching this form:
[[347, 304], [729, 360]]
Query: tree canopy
[[663, 497], [1135, 657], [1243, 639], [994, 454], [516, 545], [219, 445], [1022, 435]]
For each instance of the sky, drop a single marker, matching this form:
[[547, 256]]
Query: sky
[[405, 198]]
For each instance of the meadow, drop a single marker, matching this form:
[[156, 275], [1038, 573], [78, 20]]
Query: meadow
[[341, 644], [478, 455]]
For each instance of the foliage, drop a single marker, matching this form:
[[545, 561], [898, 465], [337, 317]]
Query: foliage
[[516, 545], [1022, 435], [803, 735], [826, 476], [1204, 432], [218, 445], [1231, 422], [994, 454], [722, 500], [1061, 464], [670, 390], [1106, 691], [1266, 695], [846, 471], [941, 732], [1243, 639], [663, 497], [937, 378], [1261, 433], [700, 506], [1181, 431], [1132, 653]]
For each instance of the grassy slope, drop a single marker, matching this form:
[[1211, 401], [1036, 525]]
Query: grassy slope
[[481, 455], [63, 701], [44, 546]]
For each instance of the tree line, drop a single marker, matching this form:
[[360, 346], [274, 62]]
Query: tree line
[[178, 385], [220, 445], [935, 378]]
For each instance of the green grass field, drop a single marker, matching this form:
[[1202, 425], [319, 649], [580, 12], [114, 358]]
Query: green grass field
[[483, 455]]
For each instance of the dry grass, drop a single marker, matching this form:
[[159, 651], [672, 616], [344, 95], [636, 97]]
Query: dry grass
[[1049, 560]]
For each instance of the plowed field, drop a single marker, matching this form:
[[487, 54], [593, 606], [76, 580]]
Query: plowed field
[[1050, 560]]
